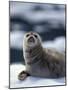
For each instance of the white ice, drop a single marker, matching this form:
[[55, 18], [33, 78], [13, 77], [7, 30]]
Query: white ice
[[30, 81]]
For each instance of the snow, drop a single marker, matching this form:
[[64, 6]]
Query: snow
[[16, 39], [30, 81], [58, 44]]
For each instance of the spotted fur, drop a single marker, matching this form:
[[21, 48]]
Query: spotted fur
[[42, 62]]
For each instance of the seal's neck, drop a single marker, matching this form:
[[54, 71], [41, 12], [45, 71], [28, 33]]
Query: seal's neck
[[34, 55]]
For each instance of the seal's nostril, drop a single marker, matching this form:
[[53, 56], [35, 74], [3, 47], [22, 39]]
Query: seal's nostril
[[31, 39]]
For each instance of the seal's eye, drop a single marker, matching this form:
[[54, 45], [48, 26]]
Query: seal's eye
[[35, 35], [27, 35]]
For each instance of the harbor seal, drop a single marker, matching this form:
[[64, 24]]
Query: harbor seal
[[39, 61]]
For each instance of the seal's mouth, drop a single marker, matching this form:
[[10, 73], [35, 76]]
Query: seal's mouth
[[31, 40]]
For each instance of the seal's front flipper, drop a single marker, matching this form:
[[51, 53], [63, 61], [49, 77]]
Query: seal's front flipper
[[22, 75]]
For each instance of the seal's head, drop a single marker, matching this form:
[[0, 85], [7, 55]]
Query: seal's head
[[31, 39]]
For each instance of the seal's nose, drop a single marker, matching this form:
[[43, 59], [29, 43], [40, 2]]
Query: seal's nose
[[31, 39]]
